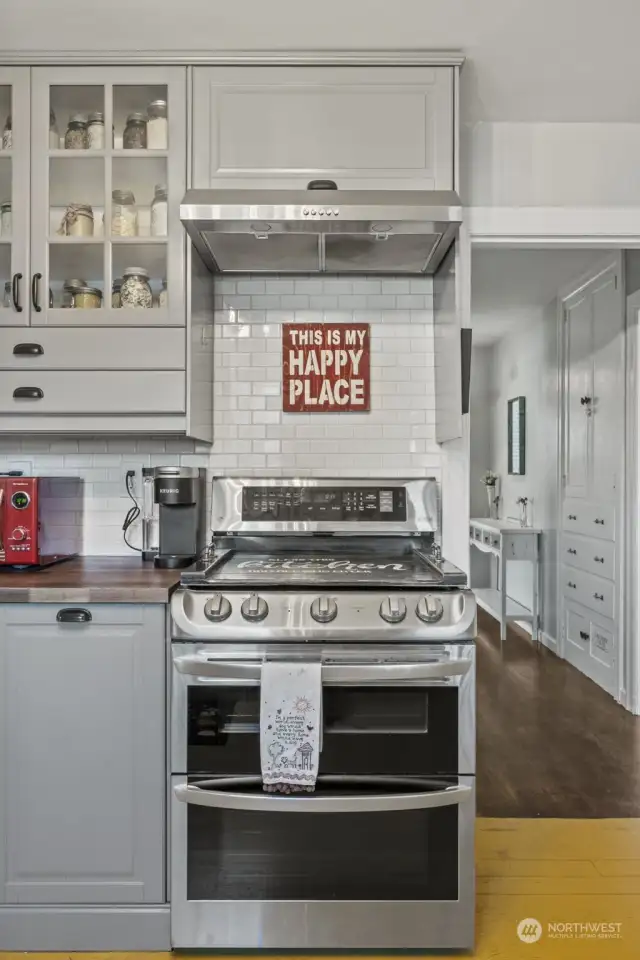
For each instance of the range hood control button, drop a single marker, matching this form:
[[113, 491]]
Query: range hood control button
[[324, 609], [254, 608], [305, 211], [429, 609], [393, 609], [217, 608]]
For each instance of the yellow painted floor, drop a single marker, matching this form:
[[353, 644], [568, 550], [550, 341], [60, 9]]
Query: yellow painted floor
[[554, 871]]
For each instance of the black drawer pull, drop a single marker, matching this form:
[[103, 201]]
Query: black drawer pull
[[572, 516], [572, 585], [28, 393], [601, 522], [73, 615], [574, 552], [584, 635], [15, 292], [599, 559], [28, 350], [35, 291], [598, 596]]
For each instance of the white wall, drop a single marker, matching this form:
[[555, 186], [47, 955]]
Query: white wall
[[252, 434], [525, 363]]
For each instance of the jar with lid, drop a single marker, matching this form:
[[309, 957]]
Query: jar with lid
[[54, 136], [159, 211], [6, 224], [135, 132], [115, 293], [95, 131], [163, 296], [87, 298], [76, 137], [7, 301], [7, 135], [77, 221], [124, 214], [157, 125], [68, 290], [135, 291]]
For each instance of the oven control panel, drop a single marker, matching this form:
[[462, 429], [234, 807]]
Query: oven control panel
[[288, 504]]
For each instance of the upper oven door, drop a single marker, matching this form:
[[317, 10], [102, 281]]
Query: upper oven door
[[409, 713]]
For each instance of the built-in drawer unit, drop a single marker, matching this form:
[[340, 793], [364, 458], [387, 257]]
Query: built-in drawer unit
[[593, 592], [591, 519], [594, 556], [86, 392], [594, 637], [98, 348]]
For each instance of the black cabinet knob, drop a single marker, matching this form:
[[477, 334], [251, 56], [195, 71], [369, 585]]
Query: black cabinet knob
[[28, 393], [15, 292], [28, 350], [584, 635], [35, 291], [73, 615]]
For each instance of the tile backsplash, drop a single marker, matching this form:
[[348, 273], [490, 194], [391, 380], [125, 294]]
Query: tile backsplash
[[251, 433]]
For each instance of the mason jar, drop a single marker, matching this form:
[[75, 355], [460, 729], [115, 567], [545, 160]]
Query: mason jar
[[163, 296], [124, 214], [116, 303], [7, 135], [68, 289], [136, 291], [76, 137], [157, 125], [6, 224], [7, 300], [77, 221], [135, 132], [87, 298], [54, 136], [95, 131], [159, 211]]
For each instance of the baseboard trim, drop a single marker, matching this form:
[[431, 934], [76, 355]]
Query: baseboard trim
[[92, 929]]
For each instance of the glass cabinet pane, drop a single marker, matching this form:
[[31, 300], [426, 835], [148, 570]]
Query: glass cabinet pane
[[5, 197], [140, 117], [76, 117]]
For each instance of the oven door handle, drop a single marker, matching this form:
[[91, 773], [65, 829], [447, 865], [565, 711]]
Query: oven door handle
[[348, 673], [218, 794]]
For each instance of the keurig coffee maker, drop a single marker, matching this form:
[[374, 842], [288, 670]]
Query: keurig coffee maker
[[173, 521]]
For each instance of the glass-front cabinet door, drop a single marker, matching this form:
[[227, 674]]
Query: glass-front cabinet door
[[14, 195], [108, 175]]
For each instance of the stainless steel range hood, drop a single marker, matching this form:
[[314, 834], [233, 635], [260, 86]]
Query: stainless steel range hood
[[322, 230]]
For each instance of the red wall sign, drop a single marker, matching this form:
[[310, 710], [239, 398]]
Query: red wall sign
[[325, 367]]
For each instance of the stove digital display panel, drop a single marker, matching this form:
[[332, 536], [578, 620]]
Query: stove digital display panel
[[337, 504]]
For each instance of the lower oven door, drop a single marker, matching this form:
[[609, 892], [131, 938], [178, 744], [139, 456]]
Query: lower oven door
[[364, 862]]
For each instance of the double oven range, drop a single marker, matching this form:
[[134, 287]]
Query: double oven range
[[380, 856]]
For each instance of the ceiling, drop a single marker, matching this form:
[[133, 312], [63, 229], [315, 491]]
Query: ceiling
[[508, 286], [554, 60]]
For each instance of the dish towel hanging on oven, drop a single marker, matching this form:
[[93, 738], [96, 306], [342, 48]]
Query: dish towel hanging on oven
[[290, 725]]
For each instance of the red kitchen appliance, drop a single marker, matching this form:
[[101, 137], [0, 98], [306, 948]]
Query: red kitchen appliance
[[40, 519]]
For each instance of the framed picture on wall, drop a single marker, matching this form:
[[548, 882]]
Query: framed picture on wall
[[517, 436]]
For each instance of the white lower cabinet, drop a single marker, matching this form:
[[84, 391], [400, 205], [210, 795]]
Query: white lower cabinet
[[592, 645], [82, 761]]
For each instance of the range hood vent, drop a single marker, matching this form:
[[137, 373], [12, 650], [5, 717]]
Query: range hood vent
[[322, 230]]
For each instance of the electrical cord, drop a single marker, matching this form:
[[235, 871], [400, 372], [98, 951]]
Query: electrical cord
[[132, 513]]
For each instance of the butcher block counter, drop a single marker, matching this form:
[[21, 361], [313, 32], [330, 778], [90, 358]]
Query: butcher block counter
[[89, 580]]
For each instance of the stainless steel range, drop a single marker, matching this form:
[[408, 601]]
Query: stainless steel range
[[380, 856]]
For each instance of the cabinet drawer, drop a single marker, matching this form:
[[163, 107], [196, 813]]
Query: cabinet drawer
[[592, 519], [82, 348], [76, 392], [592, 592], [596, 639], [42, 614], [594, 556]]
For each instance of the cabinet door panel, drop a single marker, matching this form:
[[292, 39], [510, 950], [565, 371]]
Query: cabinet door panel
[[607, 422], [283, 126], [579, 366], [14, 188], [83, 741], [84, 392], [95, 348]]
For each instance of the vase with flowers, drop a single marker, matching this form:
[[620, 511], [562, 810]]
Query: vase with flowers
[[491, 482]]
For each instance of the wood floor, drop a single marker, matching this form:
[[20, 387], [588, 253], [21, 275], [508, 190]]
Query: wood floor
[[568, 871], [550, 742]]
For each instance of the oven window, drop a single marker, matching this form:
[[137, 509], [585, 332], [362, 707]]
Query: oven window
[[398, 730], [242, 855]]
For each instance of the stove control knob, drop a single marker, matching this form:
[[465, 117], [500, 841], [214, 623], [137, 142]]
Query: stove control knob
[[324, 609], [429, 609], [254, 608], [393, 609], [217, 608]]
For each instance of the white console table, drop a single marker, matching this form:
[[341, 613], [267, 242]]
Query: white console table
[[508, 541]]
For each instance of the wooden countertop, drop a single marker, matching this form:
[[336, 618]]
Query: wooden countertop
[[89, 580]]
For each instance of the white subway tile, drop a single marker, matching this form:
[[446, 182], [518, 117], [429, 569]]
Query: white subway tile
[[396, 286], [251, 286]]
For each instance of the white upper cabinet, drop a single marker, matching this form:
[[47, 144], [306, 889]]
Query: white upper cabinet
[[14, 195], [364, 127]]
